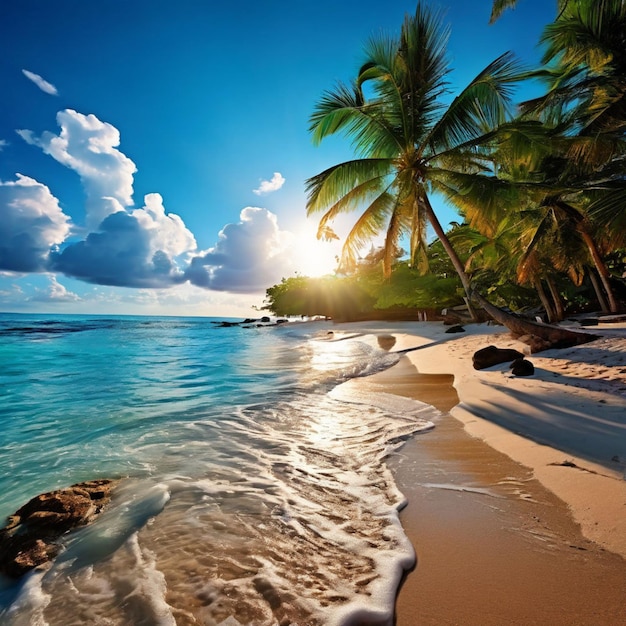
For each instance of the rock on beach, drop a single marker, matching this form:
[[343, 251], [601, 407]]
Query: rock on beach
[[31, 534]]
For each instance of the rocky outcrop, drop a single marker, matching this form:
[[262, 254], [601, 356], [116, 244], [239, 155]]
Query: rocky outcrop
[[30, 537], [490, 356]]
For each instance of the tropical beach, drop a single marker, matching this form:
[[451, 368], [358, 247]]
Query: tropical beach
[[516, 499], [372, 371]]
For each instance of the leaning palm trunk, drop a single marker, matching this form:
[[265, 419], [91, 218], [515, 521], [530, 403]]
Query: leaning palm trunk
[[601, 267], [551, 336], [543, 296], [451, 252], [559, 313], [604, 306]]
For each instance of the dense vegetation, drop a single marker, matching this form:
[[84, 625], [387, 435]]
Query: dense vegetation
[[539, 185]]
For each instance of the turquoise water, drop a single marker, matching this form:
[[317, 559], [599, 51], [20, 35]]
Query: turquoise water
[[248, 494]]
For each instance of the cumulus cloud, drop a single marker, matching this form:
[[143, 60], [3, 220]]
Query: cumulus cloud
[[247, 257], [55, 292], [130, 249], [32, 223], [144, 248], [44, 85], [268, 186], [89, 147]]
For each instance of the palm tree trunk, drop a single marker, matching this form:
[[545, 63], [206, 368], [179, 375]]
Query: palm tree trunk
[[603, 271], [604, 306], [554, 336], [451, 252], [598, 261], [543, 296], [556, 298]]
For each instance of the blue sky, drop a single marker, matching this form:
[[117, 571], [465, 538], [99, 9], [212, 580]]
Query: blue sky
[[153, 153]]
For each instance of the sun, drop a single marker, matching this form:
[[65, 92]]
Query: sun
[[313, 257]]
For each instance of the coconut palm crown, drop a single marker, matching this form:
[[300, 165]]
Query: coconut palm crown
[[408, 135]]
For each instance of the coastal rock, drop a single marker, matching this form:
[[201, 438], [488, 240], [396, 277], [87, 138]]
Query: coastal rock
[[588, 321], [522, 367], [489, 356], [386, 342], [30, 535], [457, 328]]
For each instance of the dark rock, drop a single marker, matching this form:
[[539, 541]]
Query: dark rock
[[265, 320], [522, 367], [588, 321], [282, 321], [457, 328], [489, 356], [30, 536], [386, 342]]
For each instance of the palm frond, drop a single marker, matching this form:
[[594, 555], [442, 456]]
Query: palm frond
[[395, 228], [345, 185], [345, 110], [498, 8], [609, 212], [372, 221], [482, 106]]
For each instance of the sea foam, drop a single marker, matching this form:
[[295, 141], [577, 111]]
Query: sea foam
[[254, 486]]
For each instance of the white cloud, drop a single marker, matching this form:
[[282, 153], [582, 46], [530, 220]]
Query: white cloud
[[167, 231], [54, 292], [44, 85], [3, 144], [146, 247], [268, 186], [130, 249], [89, 147], [31, 223], [248, 257]]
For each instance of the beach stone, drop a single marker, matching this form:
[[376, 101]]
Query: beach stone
[[588, 321], [30, 536], [457, 328], [491, 355], [522, 367], [386, 342]]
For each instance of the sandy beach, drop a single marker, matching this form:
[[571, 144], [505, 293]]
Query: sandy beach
[[517, 498]]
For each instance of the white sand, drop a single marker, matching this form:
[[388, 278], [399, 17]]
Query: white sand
[[567, 422]]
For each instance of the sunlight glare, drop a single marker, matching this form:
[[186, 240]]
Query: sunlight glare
[[313, 257]]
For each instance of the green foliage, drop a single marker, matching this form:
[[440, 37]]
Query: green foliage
[[542, 196], [367, 292], [336, 297], [406, 135]]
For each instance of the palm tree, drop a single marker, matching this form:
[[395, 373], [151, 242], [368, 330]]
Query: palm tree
[[407, 137], [408, 142], [586, 47], [585, 56]]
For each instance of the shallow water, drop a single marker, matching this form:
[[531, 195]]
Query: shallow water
[[251, 494]]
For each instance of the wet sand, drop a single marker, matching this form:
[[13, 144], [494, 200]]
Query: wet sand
[[494, 546]]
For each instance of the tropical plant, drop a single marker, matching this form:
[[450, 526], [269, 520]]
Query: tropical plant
[[409, 141], [407, 138]]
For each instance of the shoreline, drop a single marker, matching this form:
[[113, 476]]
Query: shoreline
[[507, 529]]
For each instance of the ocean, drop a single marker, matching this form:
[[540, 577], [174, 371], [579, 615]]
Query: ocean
[[253, 491]]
